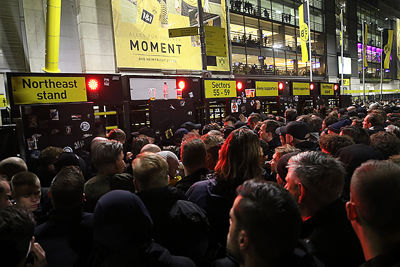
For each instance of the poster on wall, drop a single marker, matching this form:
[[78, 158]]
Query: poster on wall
[[141, 33], [398, 47]]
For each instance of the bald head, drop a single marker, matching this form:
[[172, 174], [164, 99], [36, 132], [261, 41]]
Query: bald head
[[11, 166], [375, 188], [150, 148]]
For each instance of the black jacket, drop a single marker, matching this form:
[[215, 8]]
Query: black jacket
[[66, 238], [179, 225], [189, 180], [331, 237]]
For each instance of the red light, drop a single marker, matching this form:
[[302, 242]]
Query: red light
[[93, 84], [336, 87], [181, 85], [239, 85], [280, 86], [312, 86]]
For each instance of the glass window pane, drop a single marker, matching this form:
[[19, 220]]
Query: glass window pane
[[280, 62]]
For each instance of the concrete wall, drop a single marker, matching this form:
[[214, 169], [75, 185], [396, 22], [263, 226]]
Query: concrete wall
[[96, 36]]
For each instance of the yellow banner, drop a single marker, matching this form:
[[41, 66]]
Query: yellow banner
[[219, 88], [304, 31], [388, 48], [266, 88], [42, 89], [365, 44], [327, 89], [142, 40], [215, 39], [301, 89], [3, 101]]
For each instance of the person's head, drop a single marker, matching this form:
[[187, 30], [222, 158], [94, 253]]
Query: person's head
[[230, 121], [148, 133], [47, 158], [373, 120], [5, 193], [293, 132], [264, 224], [282, 167], [386, 142], [329, 120], [117, 135], [11, 166], [267, 130], [315, 180], [290, 115], [315, 124], [210, 127], [149, 171], [331, 143], [253, 119], [238, 157], [66, 190], [359, 135], [193, 155], [172, 160], [213, 144], [279, 152], [373, 207], [108, 157], [17, 226], [96, 141], [26, 190], [137, 145], [150, 148]]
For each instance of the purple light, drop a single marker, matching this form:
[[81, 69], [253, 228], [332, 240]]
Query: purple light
[[387, 70], [359, 45], [369, 47]]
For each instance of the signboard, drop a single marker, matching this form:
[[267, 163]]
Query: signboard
[[145, 89], [327, 89], [215, 39], [219, 88], [266, 88], [48, 89], [3, 101], [301, 89], [346, 82], [142, 40], [179, 32], [250, 93]]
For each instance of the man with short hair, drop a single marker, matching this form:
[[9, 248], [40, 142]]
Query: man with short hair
[[294, 133], [374, 212], [17, 244], [374, 123], [179, 225], [213, 143], [11, 166], [67, 235], [193, 157], [108, 158], [26, 190], [268, 134], [252, 120], [290, 115], [316, 182], [5, 193], [229, 121], [264, 228]]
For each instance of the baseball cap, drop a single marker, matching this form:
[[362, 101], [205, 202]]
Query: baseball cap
[[297, 129]]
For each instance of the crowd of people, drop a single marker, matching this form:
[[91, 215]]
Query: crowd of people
[[313, 189]]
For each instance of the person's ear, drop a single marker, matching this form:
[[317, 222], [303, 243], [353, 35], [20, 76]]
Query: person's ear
[[351, 211], [289, 138], [302, 192], [243, 240]]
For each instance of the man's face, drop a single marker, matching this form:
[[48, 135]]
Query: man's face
[[292, 184], [6, 195], [274, 161], [263, 133], [28, 196], [232, 243], [366, 124], [228, 123]]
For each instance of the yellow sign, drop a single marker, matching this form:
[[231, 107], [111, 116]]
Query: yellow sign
[[47, 89], [327, 89], [304, 32], [141, 34], [388, 48], [219, 88], [188, 31], [346, 82], [3, 101], [215, 39], [365, 44], [266, 88], [301, 89]]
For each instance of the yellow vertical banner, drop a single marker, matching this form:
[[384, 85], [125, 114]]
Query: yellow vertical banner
[[365, 43], [303, 24], [387, 49], [141, 36], [341, 33]]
